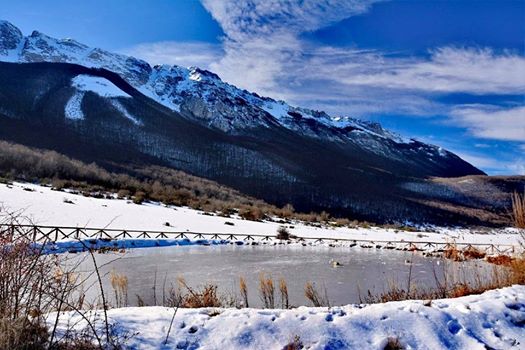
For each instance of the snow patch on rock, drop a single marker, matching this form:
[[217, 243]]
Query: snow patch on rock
[[73, 109], [125, 112], [98, 85]]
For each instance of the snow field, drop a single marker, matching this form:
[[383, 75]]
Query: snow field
[[494, 319]]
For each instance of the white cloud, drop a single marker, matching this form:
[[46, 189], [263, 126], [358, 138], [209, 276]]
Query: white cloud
[[494, 166], [183, 54], [518, 167], [264, 52], [449, 69], [243, 19], [262, 45], [492, 122]]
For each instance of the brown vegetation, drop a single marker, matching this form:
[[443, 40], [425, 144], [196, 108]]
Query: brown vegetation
[[452, 252], [473, 253], [267, 291], [518, 209], [393, 343], [283, 288], [283, 233], [510, 271], [139, 184], [244, 291], [119, 283], [206, 296], [312, 294]]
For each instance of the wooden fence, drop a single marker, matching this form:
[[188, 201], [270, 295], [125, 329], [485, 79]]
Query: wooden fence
[[55, 233]]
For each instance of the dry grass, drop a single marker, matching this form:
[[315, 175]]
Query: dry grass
[[267, 291], [244, 291], [518, 209], [206, 296], [119, 283], [283, 288], [473, 253], [517, 268], [312, 294], [500, 260], [507, 272], [452, 252]]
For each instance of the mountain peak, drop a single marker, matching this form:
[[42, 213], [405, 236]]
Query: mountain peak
[[10, 37]]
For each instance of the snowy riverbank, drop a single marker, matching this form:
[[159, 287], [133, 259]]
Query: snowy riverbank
[[43, 206], [492, 320]]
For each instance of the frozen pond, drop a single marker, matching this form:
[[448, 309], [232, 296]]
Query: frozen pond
[[361, 270]]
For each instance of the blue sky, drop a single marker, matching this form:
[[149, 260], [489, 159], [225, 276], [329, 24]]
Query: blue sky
[[447, 72]]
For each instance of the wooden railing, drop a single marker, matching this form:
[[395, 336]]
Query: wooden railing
[[39, 233]]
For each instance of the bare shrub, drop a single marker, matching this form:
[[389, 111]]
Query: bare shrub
[[139, 197], [342, 222], [32, 285], [27, 286], [393, 343], [283, 233], [267, 291], [518, 209]]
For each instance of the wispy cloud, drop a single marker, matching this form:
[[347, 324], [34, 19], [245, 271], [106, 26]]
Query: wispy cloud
[[492, 122], [262, 37], [264, 52], [448, 69], [495, 165]]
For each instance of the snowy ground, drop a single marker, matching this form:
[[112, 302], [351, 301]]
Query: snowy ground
[[493, 320], [44, 206]]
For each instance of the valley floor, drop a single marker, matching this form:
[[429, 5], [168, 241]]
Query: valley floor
[[40, 205], [492, 320]]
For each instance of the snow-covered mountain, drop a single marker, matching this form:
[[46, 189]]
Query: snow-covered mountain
[[195, 93], [102, 106]]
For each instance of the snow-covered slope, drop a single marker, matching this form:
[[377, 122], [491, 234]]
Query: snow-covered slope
[[492, 320], [198, 94]]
